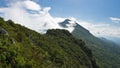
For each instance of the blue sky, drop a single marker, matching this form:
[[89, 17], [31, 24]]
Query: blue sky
[[100, 17], [91, 10]]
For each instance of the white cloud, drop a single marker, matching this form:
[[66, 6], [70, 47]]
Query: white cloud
[[116, 20], [101, 29], [31, 5], [33, 16]]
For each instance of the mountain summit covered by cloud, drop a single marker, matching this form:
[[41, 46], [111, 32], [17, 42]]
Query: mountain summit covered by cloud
[[32, 15]]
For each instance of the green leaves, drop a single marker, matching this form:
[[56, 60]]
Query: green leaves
[[56, 49]]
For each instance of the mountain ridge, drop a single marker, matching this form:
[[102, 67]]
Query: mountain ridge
[[103, 49], [55, 49]]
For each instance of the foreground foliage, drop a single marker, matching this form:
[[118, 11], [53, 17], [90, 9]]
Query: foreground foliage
[[21, 47]]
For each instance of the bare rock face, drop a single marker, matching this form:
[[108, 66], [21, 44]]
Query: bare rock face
[[3, 31]]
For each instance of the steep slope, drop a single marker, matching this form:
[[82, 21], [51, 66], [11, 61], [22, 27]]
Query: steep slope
[[24, 48], [106, 53]]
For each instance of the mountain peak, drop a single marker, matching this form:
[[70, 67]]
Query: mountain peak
[[67, 23], [71, 25], [67, 20]]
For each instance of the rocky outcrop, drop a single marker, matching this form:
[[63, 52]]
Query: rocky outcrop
[[3, 31]]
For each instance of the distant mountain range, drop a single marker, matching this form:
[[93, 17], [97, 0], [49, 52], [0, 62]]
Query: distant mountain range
[[105, 51]]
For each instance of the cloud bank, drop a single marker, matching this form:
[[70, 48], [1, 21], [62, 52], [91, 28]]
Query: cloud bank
[[32, 15], [102, 30]]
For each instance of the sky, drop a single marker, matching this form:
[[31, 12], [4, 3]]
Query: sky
[[100, 17], [99, 10]]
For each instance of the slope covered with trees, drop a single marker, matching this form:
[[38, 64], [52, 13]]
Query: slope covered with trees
[[107, 53], [21, 47]]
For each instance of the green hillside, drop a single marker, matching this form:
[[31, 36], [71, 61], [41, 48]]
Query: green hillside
[[106, 53], [21, 47]]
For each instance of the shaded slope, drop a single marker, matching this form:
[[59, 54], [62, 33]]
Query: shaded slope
[[24, 48], [106, 53]]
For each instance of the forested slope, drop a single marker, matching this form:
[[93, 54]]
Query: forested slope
[[21, 47]]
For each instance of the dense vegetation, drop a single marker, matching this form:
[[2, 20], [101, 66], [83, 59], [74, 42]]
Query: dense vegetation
[[21, 47], [106, 52]]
